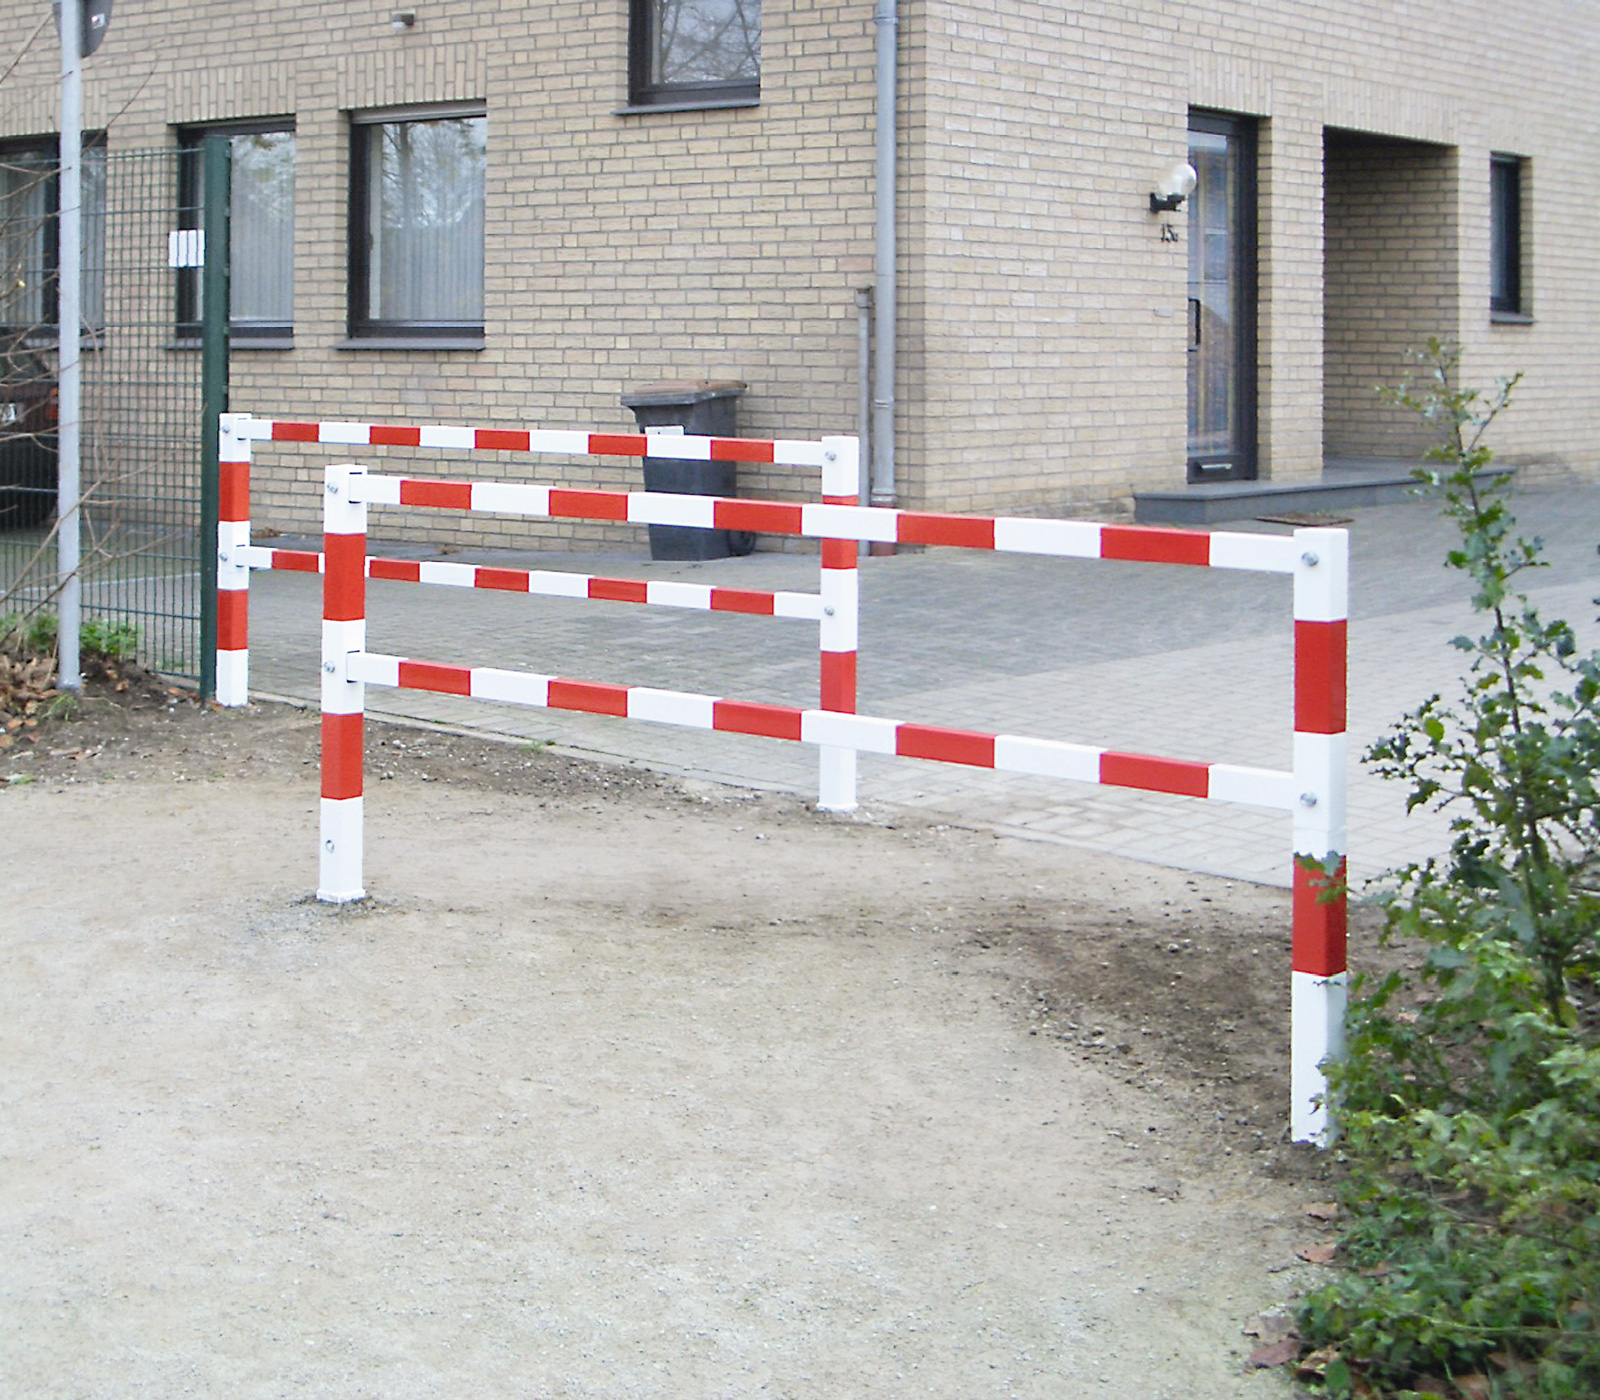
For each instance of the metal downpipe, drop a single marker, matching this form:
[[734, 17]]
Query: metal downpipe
[[887, 21]]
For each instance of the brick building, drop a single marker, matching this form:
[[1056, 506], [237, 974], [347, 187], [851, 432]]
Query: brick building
[[498, 214]]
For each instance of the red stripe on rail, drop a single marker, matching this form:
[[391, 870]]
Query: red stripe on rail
[[741, 450], [1136, 770], [619, 444], [397, 570], [748, 717], [1154, 544], [590, 697], [430, 675], [742, 600], [500, 440], [296, 432], [963, 531], [762, 517], [945, 745], [341, 755], [446, 495], [1320, 918], [1320, 679], [619, 590], [838, 554], [233, 619], [838, 679], [506, 580], [381, 436], [297, 561], [344, 585], [233, 491], [589, 505]]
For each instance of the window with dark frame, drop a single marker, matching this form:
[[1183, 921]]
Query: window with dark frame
[[1507, 295], [416, 224], [30, 248], [260, 229], [695, 52]]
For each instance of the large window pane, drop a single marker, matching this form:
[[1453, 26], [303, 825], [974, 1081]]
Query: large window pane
[[424, 221], [261, 229], [27, 203], [1505, 235], [706, 41], [30, 192], [688, 50]]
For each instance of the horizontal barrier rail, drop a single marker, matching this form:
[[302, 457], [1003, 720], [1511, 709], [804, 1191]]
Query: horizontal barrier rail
[[1045, 758], [556, 583], [1067, 539]]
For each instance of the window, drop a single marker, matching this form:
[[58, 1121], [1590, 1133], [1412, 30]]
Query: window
[[416, 225], [1506, 292], [260, 229], [695, 52], [30, 201]]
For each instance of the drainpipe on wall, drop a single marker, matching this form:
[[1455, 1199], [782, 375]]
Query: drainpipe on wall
[[887, 20], [864, 385]]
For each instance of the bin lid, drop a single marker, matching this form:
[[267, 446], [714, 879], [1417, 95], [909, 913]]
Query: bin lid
[[683, 391]]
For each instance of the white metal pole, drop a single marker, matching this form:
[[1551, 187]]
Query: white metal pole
[[344, 632], [69, 601]]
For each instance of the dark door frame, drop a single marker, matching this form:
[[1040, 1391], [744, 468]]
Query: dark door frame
[[1242, 457]]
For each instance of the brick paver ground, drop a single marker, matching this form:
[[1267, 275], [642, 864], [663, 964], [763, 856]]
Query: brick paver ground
[[1181, 662]]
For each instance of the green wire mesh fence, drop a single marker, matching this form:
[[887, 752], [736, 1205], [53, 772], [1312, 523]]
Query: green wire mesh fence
[[141, 417]]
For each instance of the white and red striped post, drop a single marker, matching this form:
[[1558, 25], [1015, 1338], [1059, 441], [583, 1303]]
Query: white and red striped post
[[344, 631], [840, 628], [233, 572], [1320, 975]]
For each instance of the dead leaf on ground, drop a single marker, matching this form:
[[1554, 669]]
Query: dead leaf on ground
[[1317, 1253], [1475, 1387], [1315, 1366], [1278, 1353], [1323, 1210]]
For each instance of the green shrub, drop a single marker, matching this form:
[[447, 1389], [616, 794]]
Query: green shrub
[[1469, 1100], [103, 638]]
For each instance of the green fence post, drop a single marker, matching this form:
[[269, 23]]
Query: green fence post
[[214, 299]]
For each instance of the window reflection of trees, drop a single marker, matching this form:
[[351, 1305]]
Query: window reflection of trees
[[261, 229], [425, 215], [706, 41], [29, 193]]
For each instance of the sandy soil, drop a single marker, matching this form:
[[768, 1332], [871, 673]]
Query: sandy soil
[[617, 1086]]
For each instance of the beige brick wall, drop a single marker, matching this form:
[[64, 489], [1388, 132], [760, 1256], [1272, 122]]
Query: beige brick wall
[[1042, 337]]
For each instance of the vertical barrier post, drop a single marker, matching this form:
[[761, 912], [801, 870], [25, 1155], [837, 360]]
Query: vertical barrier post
[[344, 630], [233, 573], [841, 598], [1320, 976]]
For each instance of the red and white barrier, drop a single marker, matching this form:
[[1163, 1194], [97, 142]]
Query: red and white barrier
[[1320, 976], [1316, 559], [834, 608], [344, 697]]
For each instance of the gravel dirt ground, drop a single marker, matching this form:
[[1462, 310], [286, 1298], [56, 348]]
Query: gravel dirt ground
[[617, 1085]]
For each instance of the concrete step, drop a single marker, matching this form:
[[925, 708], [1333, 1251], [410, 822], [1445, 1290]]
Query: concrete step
[[1346, 482]]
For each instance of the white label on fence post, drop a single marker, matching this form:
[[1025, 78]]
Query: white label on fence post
[[186, 247]]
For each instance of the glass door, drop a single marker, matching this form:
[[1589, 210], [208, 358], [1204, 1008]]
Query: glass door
[[1222, 299]]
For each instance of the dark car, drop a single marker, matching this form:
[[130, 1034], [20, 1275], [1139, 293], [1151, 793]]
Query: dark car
[[27, 438]]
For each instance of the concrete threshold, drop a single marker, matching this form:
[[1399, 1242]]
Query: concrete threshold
[[1346, 482]]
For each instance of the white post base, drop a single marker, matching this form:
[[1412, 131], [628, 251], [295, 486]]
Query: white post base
[[339, 866], [1316, 1036], [836, 785], [233, 678]]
